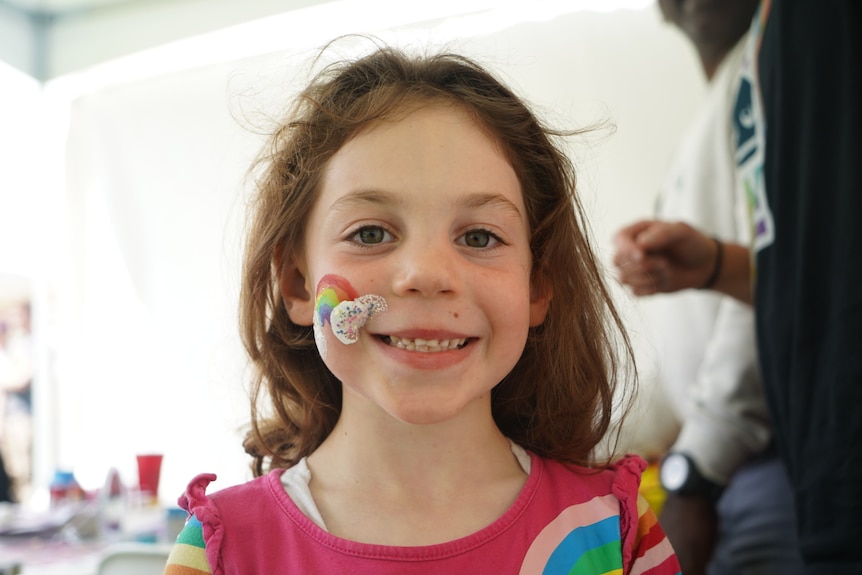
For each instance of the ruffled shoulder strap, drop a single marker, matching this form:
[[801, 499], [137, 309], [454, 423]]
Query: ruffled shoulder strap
[[236, 508], [625, 485], [196, 502]]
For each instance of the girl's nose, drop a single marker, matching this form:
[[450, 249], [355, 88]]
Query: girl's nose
[[427, 268]]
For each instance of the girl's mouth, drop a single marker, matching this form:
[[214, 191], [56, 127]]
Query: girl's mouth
[[424, 345]]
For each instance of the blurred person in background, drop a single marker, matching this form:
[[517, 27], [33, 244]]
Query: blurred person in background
[[798, 148], [728, 506], [16, 406]]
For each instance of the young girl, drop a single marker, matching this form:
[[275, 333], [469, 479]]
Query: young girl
[[430, 331]]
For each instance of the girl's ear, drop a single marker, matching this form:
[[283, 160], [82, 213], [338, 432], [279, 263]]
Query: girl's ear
[[540, 300], [293, 285]]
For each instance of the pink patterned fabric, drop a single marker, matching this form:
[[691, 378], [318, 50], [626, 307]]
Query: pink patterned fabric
[[567, 519]]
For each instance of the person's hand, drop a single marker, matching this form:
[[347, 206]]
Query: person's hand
[[661, 257], [691, 526]]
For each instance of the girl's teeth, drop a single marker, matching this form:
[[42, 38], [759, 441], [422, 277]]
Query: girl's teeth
[[427, 345]]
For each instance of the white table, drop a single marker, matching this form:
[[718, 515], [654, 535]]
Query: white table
[[41, 557]]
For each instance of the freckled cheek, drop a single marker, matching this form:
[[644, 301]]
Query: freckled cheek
[[364, 277]]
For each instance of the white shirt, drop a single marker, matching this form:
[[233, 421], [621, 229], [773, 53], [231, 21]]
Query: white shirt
[[705, 342]]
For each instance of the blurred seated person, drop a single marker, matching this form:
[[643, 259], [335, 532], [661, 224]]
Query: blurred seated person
[[728, 506]]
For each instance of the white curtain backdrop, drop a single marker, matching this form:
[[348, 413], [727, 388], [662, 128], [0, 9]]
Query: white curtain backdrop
[[149, 358], [22, 165]]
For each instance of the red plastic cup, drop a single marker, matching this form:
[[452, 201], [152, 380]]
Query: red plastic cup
[[149, 472]]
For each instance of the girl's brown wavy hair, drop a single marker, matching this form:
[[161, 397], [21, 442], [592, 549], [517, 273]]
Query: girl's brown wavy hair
[[558, 400]]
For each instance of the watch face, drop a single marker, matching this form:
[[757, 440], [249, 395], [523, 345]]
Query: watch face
[[674, 471]]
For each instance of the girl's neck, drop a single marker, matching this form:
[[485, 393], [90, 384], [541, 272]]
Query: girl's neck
[[382, 481], [466, 444]]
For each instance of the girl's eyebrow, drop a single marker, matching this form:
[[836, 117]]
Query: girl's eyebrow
[[479, 200], [359, 198], [474, 200]]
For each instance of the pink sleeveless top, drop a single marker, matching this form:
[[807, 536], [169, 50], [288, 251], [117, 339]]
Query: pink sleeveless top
[[567, 519]]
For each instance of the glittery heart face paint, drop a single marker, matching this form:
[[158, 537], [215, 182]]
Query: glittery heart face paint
[[338, 304]]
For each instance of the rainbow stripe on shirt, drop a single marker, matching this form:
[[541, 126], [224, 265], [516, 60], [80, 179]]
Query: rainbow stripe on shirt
[[188, 555]]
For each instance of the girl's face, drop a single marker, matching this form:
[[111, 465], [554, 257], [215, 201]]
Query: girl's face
[[426, 212]]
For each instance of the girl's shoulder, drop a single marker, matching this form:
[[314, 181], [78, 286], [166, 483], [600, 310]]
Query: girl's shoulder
[[260, 491], [620, 478], [604, 504], [240, 508], [606, 496], [608, 491]]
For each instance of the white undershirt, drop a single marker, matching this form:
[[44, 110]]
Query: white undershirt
[[297, 478]]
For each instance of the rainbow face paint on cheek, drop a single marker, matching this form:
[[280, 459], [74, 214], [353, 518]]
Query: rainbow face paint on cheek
[[337, 304]]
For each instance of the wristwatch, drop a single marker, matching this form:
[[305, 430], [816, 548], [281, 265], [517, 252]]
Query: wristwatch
[[679, 474]]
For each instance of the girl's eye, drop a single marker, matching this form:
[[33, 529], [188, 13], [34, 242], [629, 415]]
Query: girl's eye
[[371, 235], [480, 239]]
